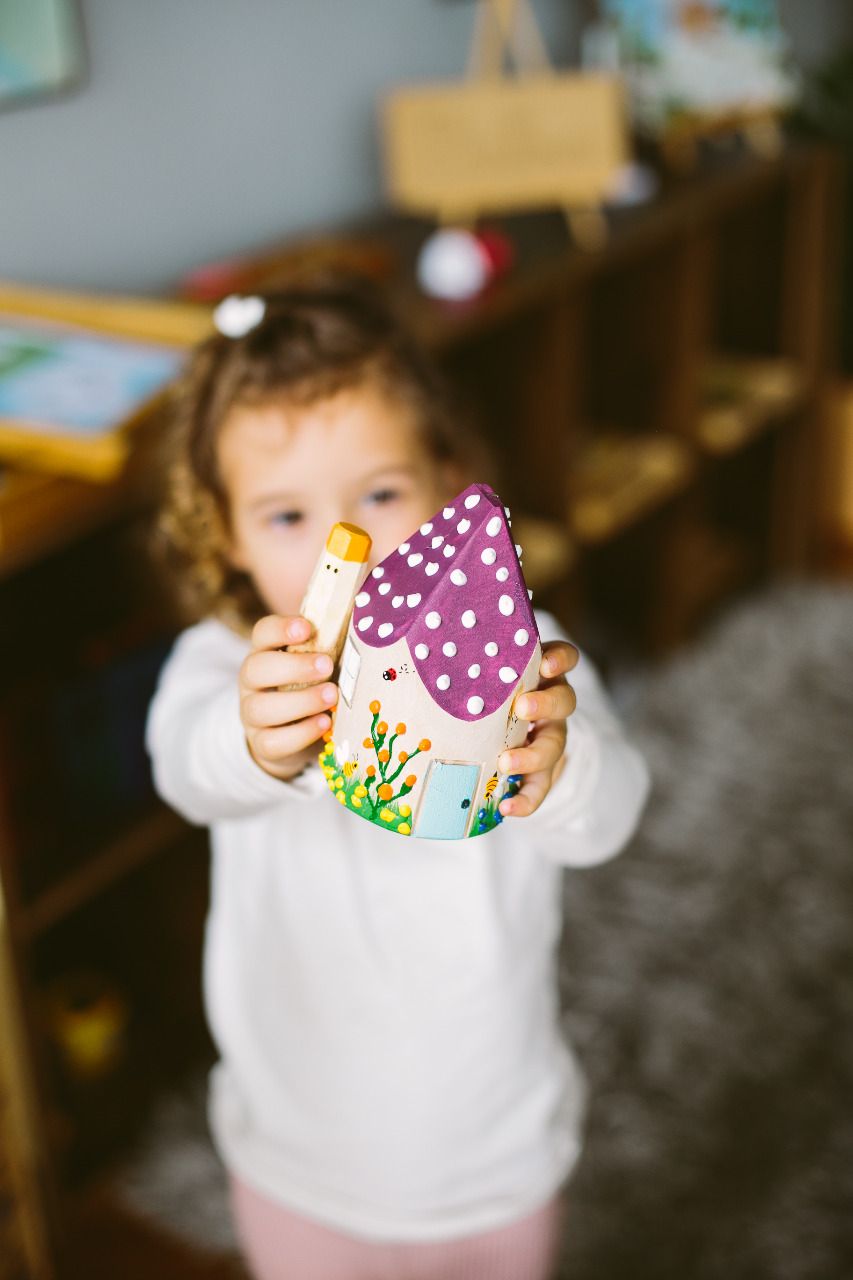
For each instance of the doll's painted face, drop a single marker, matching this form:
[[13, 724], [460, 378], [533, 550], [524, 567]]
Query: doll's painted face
[[292, 471]]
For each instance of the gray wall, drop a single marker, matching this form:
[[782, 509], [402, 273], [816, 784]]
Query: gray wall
[[210, 126]]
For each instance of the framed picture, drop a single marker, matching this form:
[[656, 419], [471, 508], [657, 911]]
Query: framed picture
[[42, 51], [697, 60]]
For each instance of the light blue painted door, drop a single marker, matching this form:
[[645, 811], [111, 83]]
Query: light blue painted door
[[446, 806]]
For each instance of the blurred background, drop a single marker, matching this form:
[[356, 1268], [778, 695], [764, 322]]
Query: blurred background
[[663, 312]]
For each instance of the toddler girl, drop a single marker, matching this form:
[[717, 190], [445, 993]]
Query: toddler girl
[[394, 1100]]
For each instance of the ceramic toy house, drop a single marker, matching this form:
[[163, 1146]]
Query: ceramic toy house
[[441, 642]]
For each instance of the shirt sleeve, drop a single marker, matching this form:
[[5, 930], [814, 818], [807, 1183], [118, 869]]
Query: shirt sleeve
[[593, 808], [200, 758]]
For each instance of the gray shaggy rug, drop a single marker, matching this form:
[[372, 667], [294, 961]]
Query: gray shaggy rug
[[707, 978], [708, 971]]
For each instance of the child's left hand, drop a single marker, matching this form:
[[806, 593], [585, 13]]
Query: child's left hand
[[547, 707]]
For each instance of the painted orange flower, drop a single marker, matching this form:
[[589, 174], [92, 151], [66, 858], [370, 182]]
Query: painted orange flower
[[374, 707], [367, 743], [371, 771], [424, 744], [404, 755], [411, 780], [381, 728], [385, 792], [383, 756], [401, 728]]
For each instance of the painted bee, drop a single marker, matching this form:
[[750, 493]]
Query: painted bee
[[349, 768], [490, 786], [390, 674]]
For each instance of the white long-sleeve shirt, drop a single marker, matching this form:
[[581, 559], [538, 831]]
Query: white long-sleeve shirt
[[385, 1009]]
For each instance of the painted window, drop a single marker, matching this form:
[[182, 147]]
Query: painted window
[[446, 806], [350, 663]]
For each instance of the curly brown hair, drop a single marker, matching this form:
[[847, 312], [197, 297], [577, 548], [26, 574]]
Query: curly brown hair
[[312, 342]]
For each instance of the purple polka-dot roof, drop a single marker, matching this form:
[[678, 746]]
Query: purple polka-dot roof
[[456, 592]]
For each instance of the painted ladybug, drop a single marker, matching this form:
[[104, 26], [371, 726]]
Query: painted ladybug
[[390, 674]]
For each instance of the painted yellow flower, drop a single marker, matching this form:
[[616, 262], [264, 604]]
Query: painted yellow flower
[[356, 802], [360, 791], [404, 828], [405, 811], [341, 797], [387, 816], [339, 782]]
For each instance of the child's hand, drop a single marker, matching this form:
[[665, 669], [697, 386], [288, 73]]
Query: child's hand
[[547, 707], [281, 726]]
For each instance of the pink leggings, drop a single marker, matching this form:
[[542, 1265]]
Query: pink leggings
[[280, 1245]]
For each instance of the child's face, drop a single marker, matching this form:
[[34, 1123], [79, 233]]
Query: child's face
[[291, 471]]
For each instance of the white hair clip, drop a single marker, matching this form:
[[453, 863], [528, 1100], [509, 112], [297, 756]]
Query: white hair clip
[[236, 316]]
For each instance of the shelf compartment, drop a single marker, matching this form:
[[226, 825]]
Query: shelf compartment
[[549, 551], [149, 837], [743, 397], [618, 479]]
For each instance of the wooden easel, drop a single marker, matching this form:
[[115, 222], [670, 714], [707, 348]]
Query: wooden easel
[[495, 142]]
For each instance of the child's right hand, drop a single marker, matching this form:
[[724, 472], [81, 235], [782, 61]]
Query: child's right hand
[[282, 726]]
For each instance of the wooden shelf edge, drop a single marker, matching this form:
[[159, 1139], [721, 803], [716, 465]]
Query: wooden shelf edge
[[147, 319], [757, 394], [619, 479], [151, 836]]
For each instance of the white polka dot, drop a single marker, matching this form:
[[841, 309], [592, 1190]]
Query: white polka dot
[[508, 675], [449, 513], [502, 575], [491, 648], [489, 556], [379, 572], [521, 636], [437, 541], [475, 705], [463, 526], [403, 548], [443, 682], [518, 550], [493, 526], [384, 588], [421, 651], [385, 630], [474, 670], [458, 578], [448, 550], [506, 604], [506, 511], [431, 568], [472, 500], [362, 599], [426, 528], [449, 649], [397, 601], [433, 620], [364, 623], [414, 558], [469, 618], [529, 594], [413, 600]]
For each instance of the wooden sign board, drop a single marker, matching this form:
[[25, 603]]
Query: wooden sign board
[[498, 144]]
